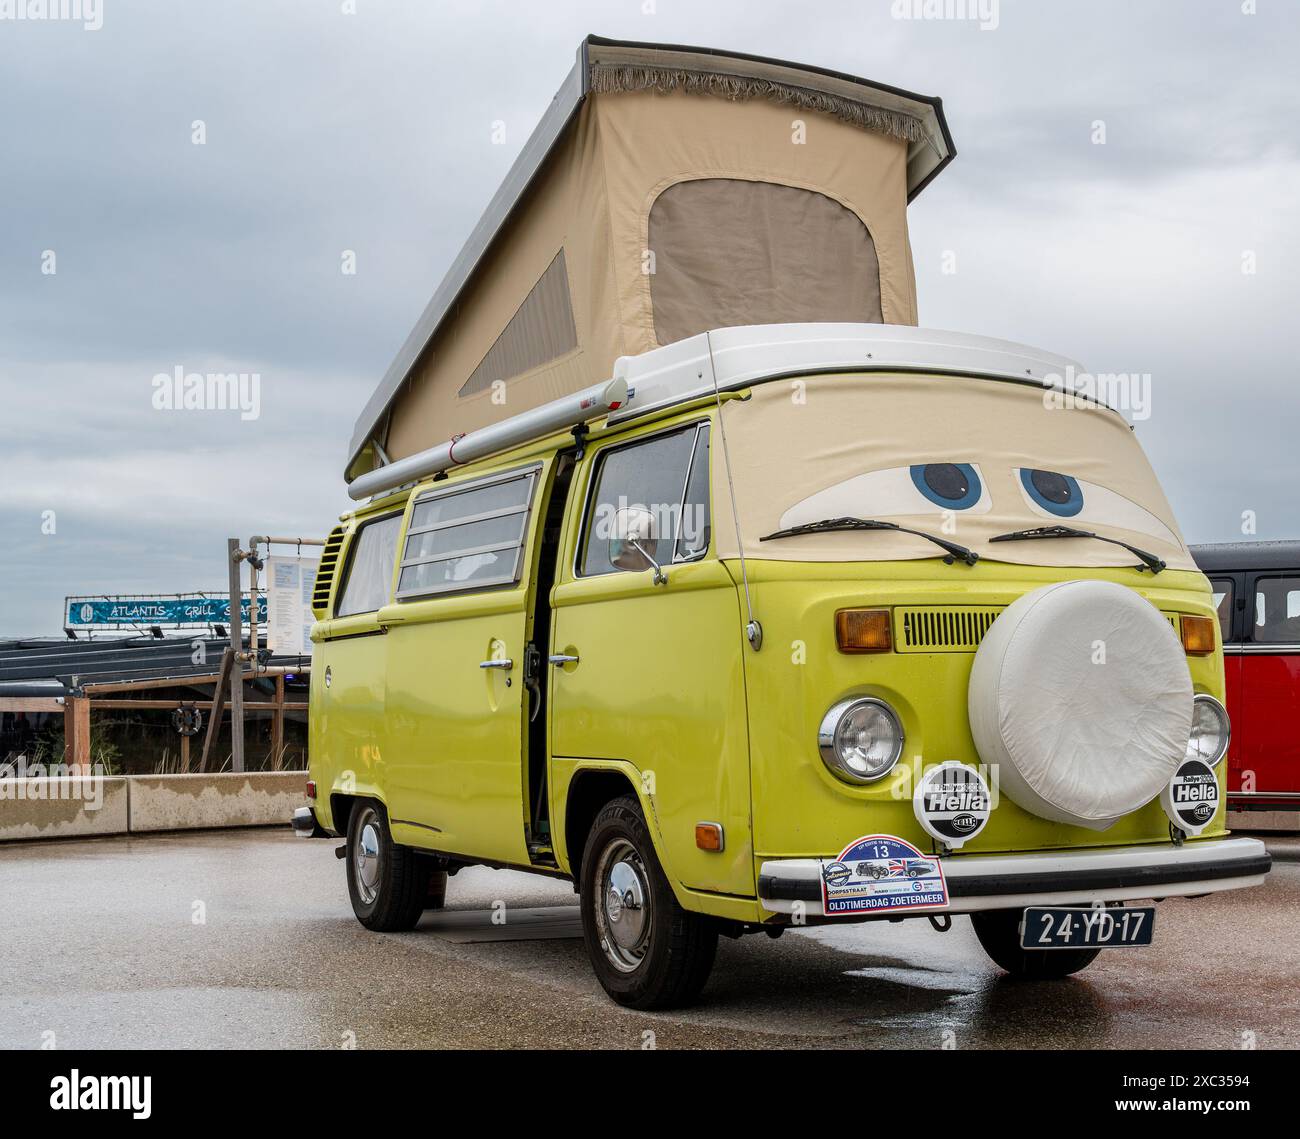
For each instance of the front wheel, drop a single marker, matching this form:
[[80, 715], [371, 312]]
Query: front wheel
[[999, 934], [389, 884], [646, 950]]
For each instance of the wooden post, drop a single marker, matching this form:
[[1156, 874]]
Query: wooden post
[[277, 725], [76, 734], [185, 754], [214, 719], [237, 667]]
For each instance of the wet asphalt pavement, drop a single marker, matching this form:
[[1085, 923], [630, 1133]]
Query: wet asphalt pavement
[[246, 940]]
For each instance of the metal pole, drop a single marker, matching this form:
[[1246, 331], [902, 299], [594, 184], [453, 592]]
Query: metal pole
[[236, 665]]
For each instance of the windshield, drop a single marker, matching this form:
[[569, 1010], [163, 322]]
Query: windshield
[[965, 459]]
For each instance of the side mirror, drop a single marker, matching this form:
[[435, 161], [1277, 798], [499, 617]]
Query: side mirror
[[634, 533]]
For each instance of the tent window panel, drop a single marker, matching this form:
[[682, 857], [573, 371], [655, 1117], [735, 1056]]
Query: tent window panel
[[728, 252], [541, 330]]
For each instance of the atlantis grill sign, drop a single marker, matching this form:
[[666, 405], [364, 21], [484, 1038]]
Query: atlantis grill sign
[[117, 612]]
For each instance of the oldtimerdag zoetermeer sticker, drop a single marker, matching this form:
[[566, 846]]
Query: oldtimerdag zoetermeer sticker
[[882, 874]]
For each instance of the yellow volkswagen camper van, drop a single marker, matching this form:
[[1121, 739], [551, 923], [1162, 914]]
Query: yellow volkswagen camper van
[[733, 597]]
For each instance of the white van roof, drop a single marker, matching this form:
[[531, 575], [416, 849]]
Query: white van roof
[[737, 357]]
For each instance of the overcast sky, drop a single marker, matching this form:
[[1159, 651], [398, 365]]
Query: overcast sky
[[328, 131]]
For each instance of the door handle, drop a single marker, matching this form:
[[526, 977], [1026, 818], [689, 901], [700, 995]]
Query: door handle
[[505, 664], [563, 658]]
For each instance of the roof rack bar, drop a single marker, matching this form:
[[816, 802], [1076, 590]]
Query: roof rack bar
[[535, 423]]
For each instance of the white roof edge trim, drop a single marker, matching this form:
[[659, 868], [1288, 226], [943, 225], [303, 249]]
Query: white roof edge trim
[[740, 357], [924, 160]]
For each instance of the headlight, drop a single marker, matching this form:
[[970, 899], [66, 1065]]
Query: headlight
[[1210, 730], [860, 740]]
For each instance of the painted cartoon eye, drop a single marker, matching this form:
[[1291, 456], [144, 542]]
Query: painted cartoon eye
[[1056, 493], [1053, 495], [952, 486], [897, 492]]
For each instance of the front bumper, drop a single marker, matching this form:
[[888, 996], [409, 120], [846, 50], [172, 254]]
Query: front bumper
[[1010, 881]]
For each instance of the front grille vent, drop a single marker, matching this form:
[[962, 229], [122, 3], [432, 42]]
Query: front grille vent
[[951, 628]]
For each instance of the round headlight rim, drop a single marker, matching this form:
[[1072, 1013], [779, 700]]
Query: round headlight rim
[[826, 739], [1222, 713]]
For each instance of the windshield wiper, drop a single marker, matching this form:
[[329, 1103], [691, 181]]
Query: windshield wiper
[[1149, 561], [827, 525]]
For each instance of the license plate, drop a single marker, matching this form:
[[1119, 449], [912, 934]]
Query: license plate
[[1066, 927]]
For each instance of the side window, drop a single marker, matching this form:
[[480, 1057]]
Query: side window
[[468, 537], [667, 475], [1277, 609], [370, 567], [1223, 602]]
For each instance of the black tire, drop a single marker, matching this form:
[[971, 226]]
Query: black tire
[[388, 884], [999, 934], [662, 960]]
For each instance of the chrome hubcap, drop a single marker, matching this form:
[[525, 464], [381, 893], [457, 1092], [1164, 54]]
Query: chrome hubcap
[[623, 911], [365, 858]]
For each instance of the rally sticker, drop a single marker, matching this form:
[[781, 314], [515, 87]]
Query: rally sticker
[[882, 874], [952, 803], [1191, 797]]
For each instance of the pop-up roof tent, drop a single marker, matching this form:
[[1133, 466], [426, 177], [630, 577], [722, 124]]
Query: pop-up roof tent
[[667, 191]]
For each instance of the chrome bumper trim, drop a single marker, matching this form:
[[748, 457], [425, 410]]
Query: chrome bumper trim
[[1008, 881]]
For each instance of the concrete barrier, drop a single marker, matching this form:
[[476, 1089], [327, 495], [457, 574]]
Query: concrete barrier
[[192, 802], [83, 806], [67, 806]]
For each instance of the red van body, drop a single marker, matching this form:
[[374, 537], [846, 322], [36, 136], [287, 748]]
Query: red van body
[[1257, 591]]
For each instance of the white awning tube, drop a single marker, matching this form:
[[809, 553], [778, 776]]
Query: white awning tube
[[534, 424]]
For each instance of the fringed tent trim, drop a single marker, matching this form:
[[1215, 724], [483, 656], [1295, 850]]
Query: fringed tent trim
[[609, 78]]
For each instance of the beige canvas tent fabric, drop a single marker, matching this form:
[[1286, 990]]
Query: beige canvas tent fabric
[[845, 445], [592, 201]]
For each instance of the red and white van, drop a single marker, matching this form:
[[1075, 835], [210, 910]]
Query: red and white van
[[1257, 592]]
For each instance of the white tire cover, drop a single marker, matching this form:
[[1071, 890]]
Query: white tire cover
[[1078, 736]]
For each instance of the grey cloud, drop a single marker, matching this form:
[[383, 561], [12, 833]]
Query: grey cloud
[[372, 132]]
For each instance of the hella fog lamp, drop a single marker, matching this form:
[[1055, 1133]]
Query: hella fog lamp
[[860, 740], [1210, 730]]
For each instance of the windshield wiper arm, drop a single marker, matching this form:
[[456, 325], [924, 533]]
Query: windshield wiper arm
[[1149, 561], [827, 525]]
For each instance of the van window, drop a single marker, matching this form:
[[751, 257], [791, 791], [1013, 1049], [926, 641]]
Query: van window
[[694, 533], [662, 475], [468, 537], [1277, 609], [1222, 589], [370, 567]]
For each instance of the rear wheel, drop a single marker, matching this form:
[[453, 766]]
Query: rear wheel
[[999, 934], [646, 950], [388, 884]]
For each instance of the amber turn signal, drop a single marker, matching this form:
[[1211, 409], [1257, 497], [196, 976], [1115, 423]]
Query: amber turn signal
[[1198, 634], [708, 836], [863, 631]]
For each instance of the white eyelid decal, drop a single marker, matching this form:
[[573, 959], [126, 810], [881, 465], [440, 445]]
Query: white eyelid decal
[[890, 493], [1069, 501]]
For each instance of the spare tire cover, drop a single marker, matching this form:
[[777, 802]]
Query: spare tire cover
[[1081, 696]]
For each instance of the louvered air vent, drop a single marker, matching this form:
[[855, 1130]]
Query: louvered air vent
[[951, 628], [942, 628], [329, 559]]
